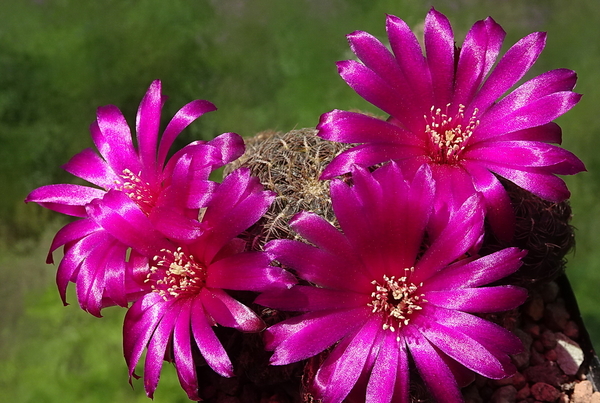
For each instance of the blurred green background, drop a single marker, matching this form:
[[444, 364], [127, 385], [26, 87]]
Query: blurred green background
[[267, 64]]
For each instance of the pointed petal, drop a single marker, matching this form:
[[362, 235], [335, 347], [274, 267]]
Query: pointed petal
[[367, 155], [66, 199], [250, 271], [182, 119], [302, 298], [499, 210], [439, 47], [484, 299], [89, 166], [182, 352], [139, 324], [155, 353], [320, 267], [304, 336], [209, 345], [462, 232], [477, 55], [478, 272], [112, 138], [124, 220], [391, 360], [229, 312], [377, 91], [146, 126], [318, 231], [540, 182], [413, 64], [462, 348], [353, 127], [510, 69], [485, 332], [434, 371], [350, 365]]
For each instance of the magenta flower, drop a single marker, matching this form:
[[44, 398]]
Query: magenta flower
[[381, 293], [186, 280], [169, 192], [445, 112]]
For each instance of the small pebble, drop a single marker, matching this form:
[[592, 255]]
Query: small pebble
[[582, 392], [569, 354], [534, 307], [571, 330], [549, 292], [523, 393], [548, 339], [550, 355], [556, 315], [544, 392], [505, 394]]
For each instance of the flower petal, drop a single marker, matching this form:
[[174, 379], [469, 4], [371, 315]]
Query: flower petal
[[209, 345], [182, 352], [112, 138], [302, 298], [353, 127], [462, 348], [370, 154], [391, 367], [432, 368], [249, 271], [229, 312], [182, 119], [304, 336], [66, 199], [484, 299], [478, 272], [146, 126], [439, 47], [351, 363], [510, 69], [89, 166]]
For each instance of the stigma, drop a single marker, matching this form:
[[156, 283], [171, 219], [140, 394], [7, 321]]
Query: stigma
[[449, 135]]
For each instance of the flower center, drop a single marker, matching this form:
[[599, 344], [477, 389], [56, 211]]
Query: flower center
[[175, 273], [137, 190], [396, 299], [448, 135]]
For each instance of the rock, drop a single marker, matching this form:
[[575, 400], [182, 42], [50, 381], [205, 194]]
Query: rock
[[547, 372], [551, 355], [544, 392], [534, 307], [582, 392], [548, 339], [571, 330], [569, 355], [549, 292], [523, 393], [556, 315], [521, 360], [505, 394]]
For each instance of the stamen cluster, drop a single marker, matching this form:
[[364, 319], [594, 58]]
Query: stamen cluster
[[397, 300], [137, 190], [449, 135], [175, 273]]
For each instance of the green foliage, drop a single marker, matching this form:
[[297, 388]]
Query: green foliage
[[267, 64]]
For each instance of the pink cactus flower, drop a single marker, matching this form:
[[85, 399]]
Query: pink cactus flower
[[379, 291], [447, 111]]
